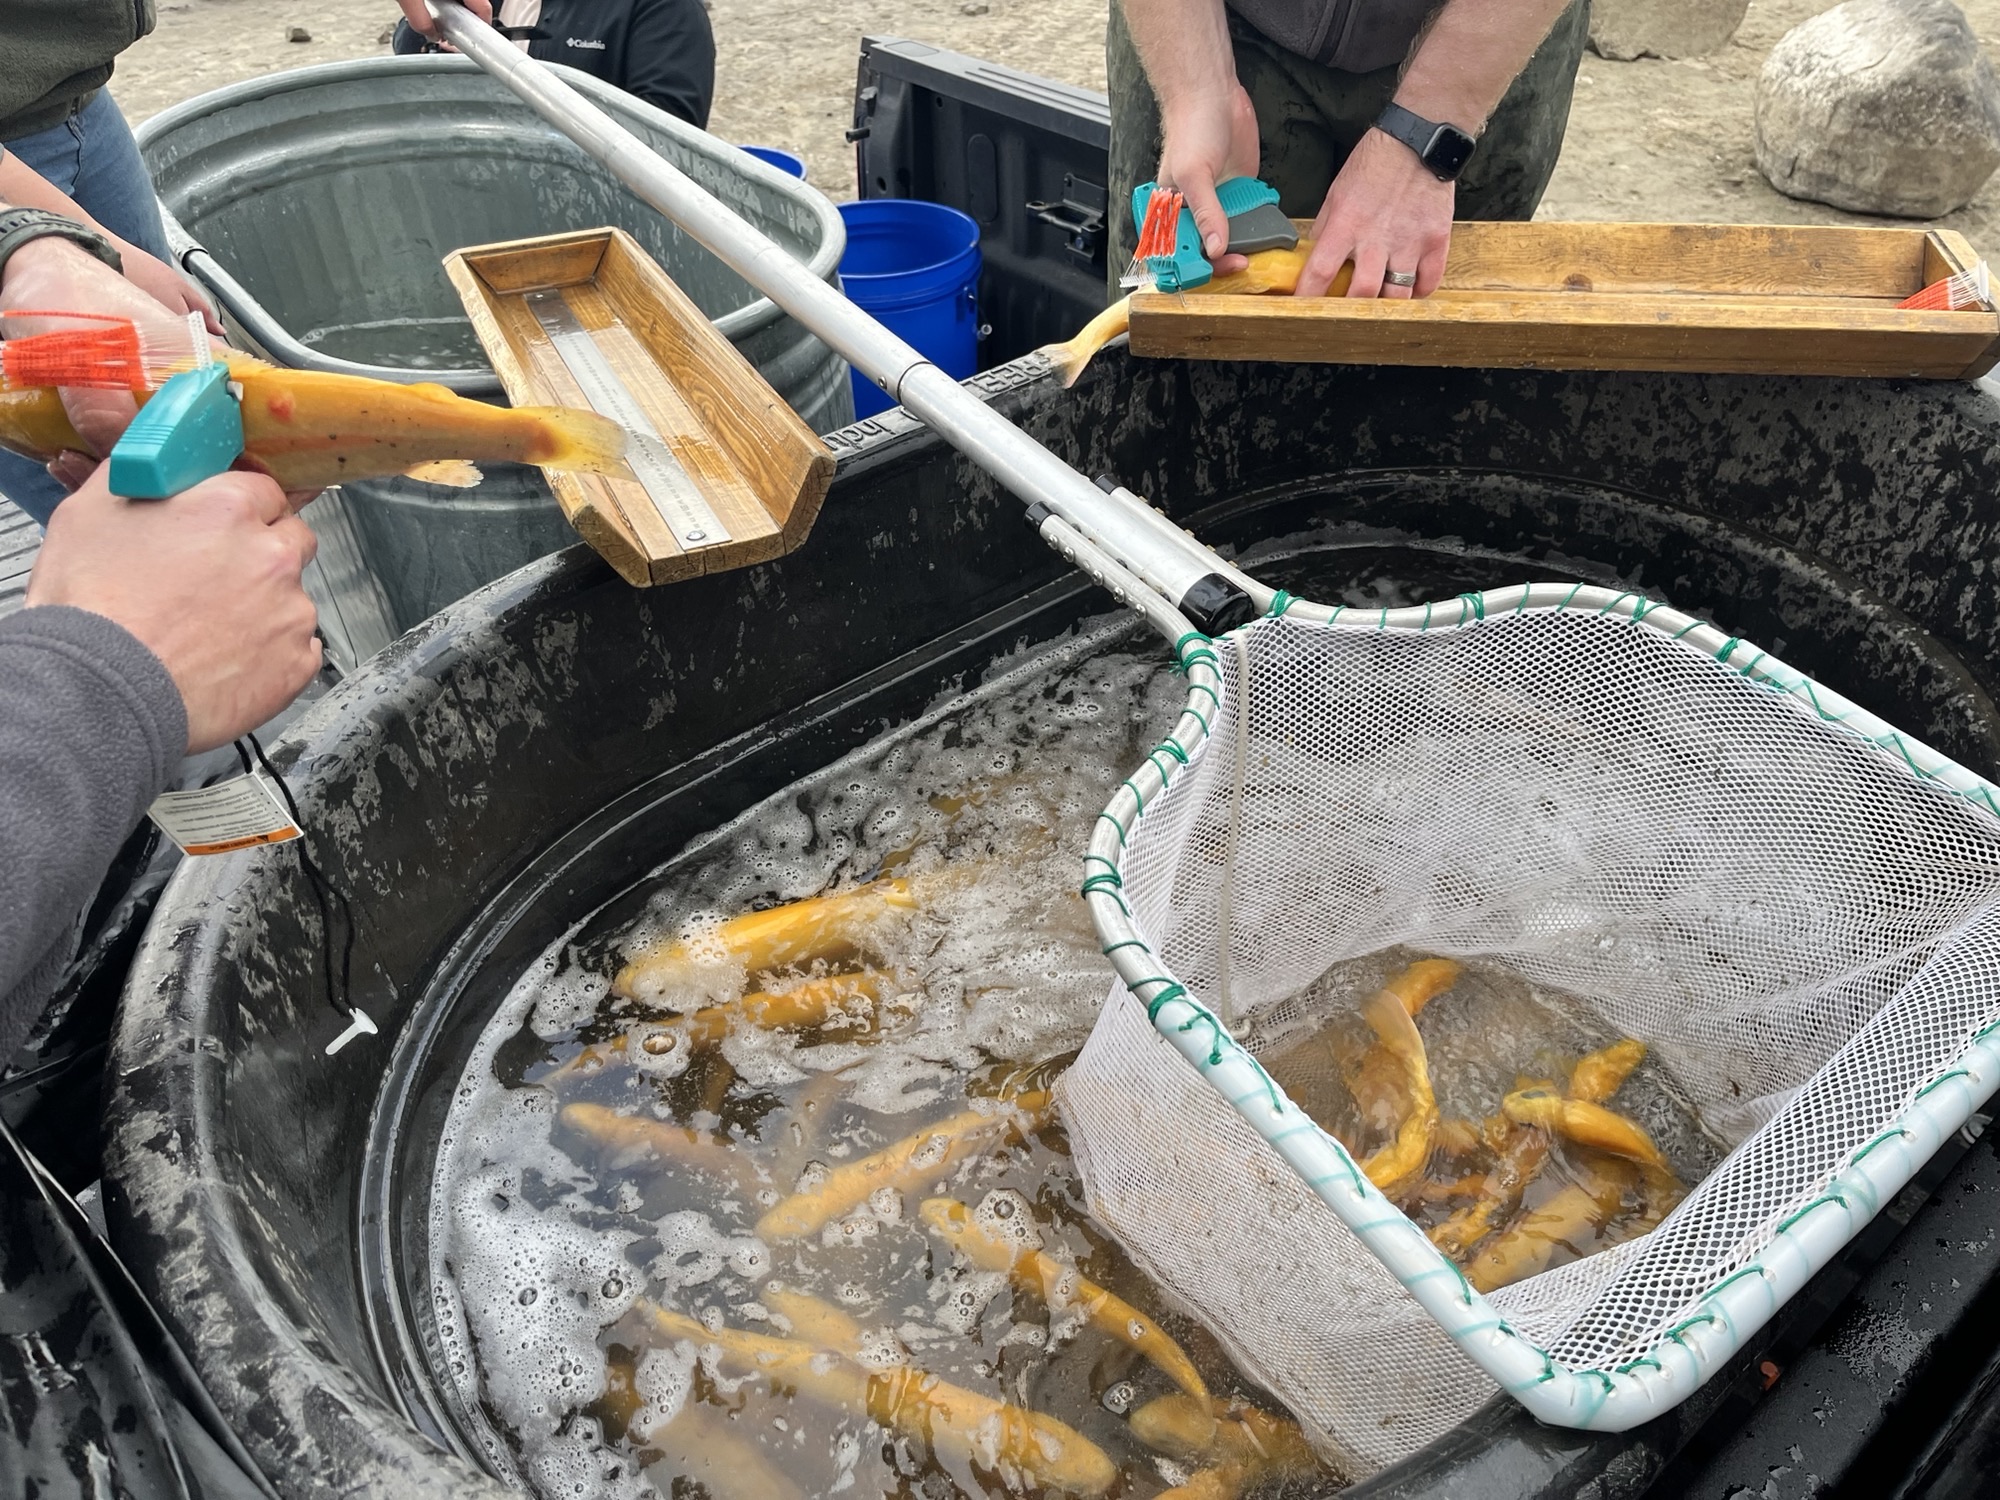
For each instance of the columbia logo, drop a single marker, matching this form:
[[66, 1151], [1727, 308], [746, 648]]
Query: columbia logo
[[593, 43]]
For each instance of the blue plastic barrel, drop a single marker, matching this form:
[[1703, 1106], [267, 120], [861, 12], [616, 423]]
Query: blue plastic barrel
[[915, 268], [784, 161]]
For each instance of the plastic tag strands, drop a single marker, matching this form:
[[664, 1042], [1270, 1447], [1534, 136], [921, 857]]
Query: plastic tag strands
[[1964, 292], [93, 352]]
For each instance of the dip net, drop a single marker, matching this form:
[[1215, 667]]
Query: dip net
[[1790, 904]]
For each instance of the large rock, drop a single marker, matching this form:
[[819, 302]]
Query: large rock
[[1882, 107], [1626, 29]]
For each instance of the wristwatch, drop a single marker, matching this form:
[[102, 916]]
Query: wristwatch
[[20, 225], [1445, 149]]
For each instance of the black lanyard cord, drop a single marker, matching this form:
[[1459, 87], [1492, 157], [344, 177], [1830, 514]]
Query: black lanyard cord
[[326, 895]]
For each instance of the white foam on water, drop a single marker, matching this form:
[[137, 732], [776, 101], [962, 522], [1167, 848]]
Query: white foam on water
[[664, 1377], [983, 808]]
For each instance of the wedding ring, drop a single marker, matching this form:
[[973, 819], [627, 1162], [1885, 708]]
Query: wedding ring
[[1400, 278]]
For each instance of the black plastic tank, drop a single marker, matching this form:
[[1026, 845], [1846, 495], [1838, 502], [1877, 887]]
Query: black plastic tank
[[531, 752]]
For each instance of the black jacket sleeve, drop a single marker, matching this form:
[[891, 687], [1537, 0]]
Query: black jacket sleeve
[[91, 729], [670, 58]]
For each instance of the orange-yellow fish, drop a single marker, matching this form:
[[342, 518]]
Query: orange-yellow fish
[[1394, 1077], [1268, 271], [1061, 1287], [1572, 1219], [913, 1162], [1031, 1450], [308, 430], [823, 928], [1243, 1442]]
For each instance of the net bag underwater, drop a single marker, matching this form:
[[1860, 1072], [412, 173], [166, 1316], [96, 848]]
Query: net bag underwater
[[1791, 904]]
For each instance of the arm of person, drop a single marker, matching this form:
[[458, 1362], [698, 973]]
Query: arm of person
[[152, 628], [419, 16], [1208, 127], [670, 58], [1386, 211], [21, 186]]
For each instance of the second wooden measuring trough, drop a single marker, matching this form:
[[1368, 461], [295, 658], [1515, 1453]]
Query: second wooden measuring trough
[[1708, 298]]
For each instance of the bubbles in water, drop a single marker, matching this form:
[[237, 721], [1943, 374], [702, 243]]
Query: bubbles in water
[[692, 1250], [966, 1298], [852, 1231], [663, 1379], [1005, 1215]]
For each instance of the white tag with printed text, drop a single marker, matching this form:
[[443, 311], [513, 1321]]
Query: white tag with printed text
[[239, 813]]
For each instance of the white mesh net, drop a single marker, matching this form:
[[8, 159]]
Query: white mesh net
[[1800, 928]]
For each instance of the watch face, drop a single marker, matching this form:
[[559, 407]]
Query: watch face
[[1450, 149]]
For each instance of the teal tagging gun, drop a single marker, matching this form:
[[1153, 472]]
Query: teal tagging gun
[[191, 429], [1170, 256]]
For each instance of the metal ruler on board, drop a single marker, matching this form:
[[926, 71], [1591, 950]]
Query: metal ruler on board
[[666, 482]]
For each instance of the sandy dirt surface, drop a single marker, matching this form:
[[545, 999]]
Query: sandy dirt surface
[[1648, 140]]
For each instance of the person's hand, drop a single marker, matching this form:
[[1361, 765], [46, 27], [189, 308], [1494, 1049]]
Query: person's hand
[[172, 289], [54, 275], [420, 20], [1386, 211], [208, 581], [1207, 139]]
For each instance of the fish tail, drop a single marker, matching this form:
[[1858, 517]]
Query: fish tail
[[1070, 358], [577, 440]]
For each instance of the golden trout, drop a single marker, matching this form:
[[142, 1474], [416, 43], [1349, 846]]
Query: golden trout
[[822, 928], [1245, 1443], [1061, 1287], [1268, 271], [1029, 1449], [913, 1162], [1394, 1079], [308, 430]]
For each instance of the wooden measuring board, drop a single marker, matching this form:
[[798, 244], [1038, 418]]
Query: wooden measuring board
[[722, 473], [1708, 298]]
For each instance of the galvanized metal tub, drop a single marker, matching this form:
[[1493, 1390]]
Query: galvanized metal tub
[[318, 205]]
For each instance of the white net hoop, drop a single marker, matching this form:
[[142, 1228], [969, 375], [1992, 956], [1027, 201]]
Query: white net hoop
[[1791, 904]]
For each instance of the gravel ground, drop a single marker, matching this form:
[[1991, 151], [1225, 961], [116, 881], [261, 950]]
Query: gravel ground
[[1648, 140]]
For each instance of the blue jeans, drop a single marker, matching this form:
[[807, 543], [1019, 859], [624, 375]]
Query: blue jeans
[[92, 157]]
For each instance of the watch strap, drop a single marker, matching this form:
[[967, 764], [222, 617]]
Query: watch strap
[[1407, 126], [1423, 136], [20, 226]]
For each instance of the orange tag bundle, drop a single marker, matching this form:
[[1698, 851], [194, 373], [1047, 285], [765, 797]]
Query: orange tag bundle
[[1964, 292], [95, 351]]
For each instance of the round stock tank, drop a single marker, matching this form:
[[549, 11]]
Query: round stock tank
[[318, 205], [529, 754]]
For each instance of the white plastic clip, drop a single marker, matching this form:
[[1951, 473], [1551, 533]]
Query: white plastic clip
[[359, 1025], [204, 356]]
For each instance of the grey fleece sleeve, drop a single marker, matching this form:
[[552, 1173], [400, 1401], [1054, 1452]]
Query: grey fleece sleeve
[[91, 728]]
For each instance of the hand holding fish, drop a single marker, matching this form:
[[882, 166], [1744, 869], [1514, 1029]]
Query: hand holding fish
[[54, 275]]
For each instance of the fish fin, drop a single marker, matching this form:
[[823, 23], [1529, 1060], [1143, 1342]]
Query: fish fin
[[579, 440], [1070, 358], [455, 473]]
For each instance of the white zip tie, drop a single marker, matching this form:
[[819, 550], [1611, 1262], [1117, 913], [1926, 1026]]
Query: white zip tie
[[359, 1025]]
